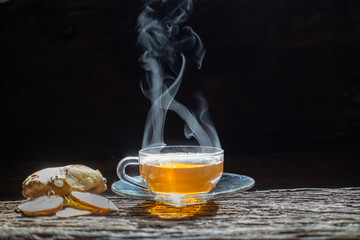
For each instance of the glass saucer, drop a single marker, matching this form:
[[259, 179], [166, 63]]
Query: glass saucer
[[229, 183]]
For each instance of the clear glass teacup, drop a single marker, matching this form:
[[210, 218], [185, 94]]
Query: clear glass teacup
[[176, 175]]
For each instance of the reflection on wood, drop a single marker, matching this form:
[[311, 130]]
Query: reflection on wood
[[169, 212]]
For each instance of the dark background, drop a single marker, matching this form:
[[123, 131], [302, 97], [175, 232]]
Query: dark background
[[281, 78]]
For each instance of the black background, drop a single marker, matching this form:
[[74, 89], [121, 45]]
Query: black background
[[281, 79]]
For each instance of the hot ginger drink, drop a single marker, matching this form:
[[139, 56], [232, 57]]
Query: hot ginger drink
[[185, 174]]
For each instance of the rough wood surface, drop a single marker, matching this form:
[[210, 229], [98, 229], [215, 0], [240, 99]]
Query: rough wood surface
[[273, 214]]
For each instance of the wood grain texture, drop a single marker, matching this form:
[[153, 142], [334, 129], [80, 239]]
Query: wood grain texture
[[274, 214]]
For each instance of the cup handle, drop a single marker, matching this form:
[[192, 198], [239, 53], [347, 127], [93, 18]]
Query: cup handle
[[121, 167]]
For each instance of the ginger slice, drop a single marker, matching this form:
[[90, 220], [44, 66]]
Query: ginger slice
[[45, 205], [69, 202], [72, 212], [98, 204]]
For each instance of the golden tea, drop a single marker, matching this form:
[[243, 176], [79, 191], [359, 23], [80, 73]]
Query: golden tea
[[181, 174], [176, 175]]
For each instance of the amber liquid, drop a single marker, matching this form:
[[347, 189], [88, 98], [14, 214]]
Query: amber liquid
[[182, 176]]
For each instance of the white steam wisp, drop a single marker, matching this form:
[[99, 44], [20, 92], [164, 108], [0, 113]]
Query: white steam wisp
[[164, 44]]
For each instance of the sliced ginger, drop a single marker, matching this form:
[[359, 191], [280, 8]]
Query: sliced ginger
[[72, 212], [72, 187], [92, 202], [77, 204], [42, 206], [69, 202]]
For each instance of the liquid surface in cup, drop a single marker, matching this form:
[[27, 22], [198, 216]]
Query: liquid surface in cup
[[181, 175]]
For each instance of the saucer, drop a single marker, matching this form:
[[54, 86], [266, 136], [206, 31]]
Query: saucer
[[229, 183]]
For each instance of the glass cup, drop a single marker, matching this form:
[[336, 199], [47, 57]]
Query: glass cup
[[176, 175]]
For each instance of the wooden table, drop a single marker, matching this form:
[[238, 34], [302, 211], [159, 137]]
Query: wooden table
[[316, 213]]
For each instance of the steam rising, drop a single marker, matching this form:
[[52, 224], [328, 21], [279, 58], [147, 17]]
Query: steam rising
[[164, 44]]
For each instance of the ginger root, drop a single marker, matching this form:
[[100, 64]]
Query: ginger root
[[62, 181]]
